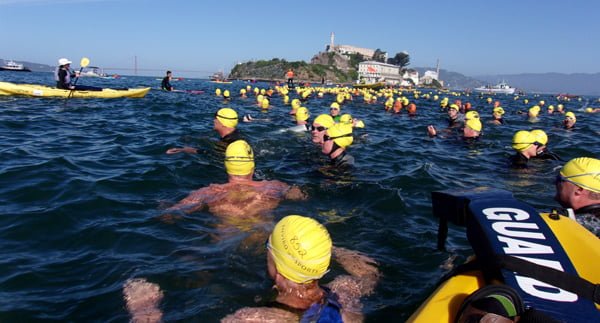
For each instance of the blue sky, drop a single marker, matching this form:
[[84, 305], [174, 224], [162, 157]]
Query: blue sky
[[469, 37]]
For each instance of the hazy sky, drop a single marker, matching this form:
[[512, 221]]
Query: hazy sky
[[469, 37]]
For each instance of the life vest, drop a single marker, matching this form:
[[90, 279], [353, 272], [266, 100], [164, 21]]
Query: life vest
[[290, 74]]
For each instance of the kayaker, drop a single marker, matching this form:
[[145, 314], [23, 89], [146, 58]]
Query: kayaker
[[578, 188], [224, 123], [166, 82], [241, 197], [63, 76], [299, 252]]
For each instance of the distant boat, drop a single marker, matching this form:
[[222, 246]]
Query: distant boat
[[14, 66], [502, 88], [92, 71], [218, 77], [373, 86]]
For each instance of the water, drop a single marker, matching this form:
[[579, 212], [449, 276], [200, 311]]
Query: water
[[83, 186]]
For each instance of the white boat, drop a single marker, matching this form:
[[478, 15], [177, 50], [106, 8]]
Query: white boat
[[14, 66], [92, 71], [502, 88]]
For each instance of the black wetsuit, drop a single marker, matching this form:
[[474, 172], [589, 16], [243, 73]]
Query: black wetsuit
[[222, 144], [518, 161], [166, 85], [589, 217], [545, 154]]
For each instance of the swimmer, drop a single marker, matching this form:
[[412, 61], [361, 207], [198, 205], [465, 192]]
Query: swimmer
[[334, 111], [302, 124], [346, 118], [241, 196], [454, 119], [578, 187], [526, 145], [532, 114], [542, 149], [592, 110], [320, 126], [569, 121], [335, 141], [296, 273], [471, 130], [497, 114], [224, 123]]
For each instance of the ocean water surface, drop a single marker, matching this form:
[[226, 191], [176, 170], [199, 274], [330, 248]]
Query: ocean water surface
[[84, 186]]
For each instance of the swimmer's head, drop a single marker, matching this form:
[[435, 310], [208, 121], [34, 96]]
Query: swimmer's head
[[302, 114], [341, 134], [540, 136], [227, 117], [522, 140], [471, 115], [474, 124], [499, 110], [239, 158], [301, 248], [583, 172], [534, 110], [324, 120], [346, 118]]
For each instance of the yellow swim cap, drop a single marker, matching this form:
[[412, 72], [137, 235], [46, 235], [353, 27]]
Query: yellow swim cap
[[570, 115], [324, 120], [474, 124], [341, 134], [302, 114], [583, 172], [551, 107], [242, 91], [540, 136], [218, 92], [295, 104], [534, 110], [454, 106], [335, 105], [226, 93], [227, 117], [589, 110], [346, 119], [522, 140], [301, 248], [265, 103], [471, 115], [499, 110], [239, 158]]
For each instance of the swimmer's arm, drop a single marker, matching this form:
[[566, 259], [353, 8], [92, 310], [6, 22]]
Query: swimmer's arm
[[363, 268], [188, 150], [193, 202], [295, 193], [261, 314]]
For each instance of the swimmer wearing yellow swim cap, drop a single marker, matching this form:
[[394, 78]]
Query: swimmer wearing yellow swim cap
[[578, 188]]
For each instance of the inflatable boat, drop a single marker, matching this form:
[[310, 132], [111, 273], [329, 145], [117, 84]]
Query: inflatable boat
[[550, 260]]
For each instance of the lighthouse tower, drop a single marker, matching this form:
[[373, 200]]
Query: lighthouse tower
[[330, 48]]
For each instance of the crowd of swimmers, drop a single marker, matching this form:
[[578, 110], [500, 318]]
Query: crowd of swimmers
[[299, 249]]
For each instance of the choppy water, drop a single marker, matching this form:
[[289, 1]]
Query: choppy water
[[83, 187]]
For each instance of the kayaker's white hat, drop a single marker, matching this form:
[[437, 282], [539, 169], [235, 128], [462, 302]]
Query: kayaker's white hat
[[64, 61]]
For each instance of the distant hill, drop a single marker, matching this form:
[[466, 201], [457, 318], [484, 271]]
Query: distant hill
[[34, 67], [577, 83]]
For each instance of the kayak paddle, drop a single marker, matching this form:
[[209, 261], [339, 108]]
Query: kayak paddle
[[83, 63]]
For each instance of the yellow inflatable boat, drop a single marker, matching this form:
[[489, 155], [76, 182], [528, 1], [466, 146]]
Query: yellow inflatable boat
[[550, 260]]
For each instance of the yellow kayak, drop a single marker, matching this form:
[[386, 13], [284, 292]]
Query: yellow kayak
[[500, 227], [7, 88]]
